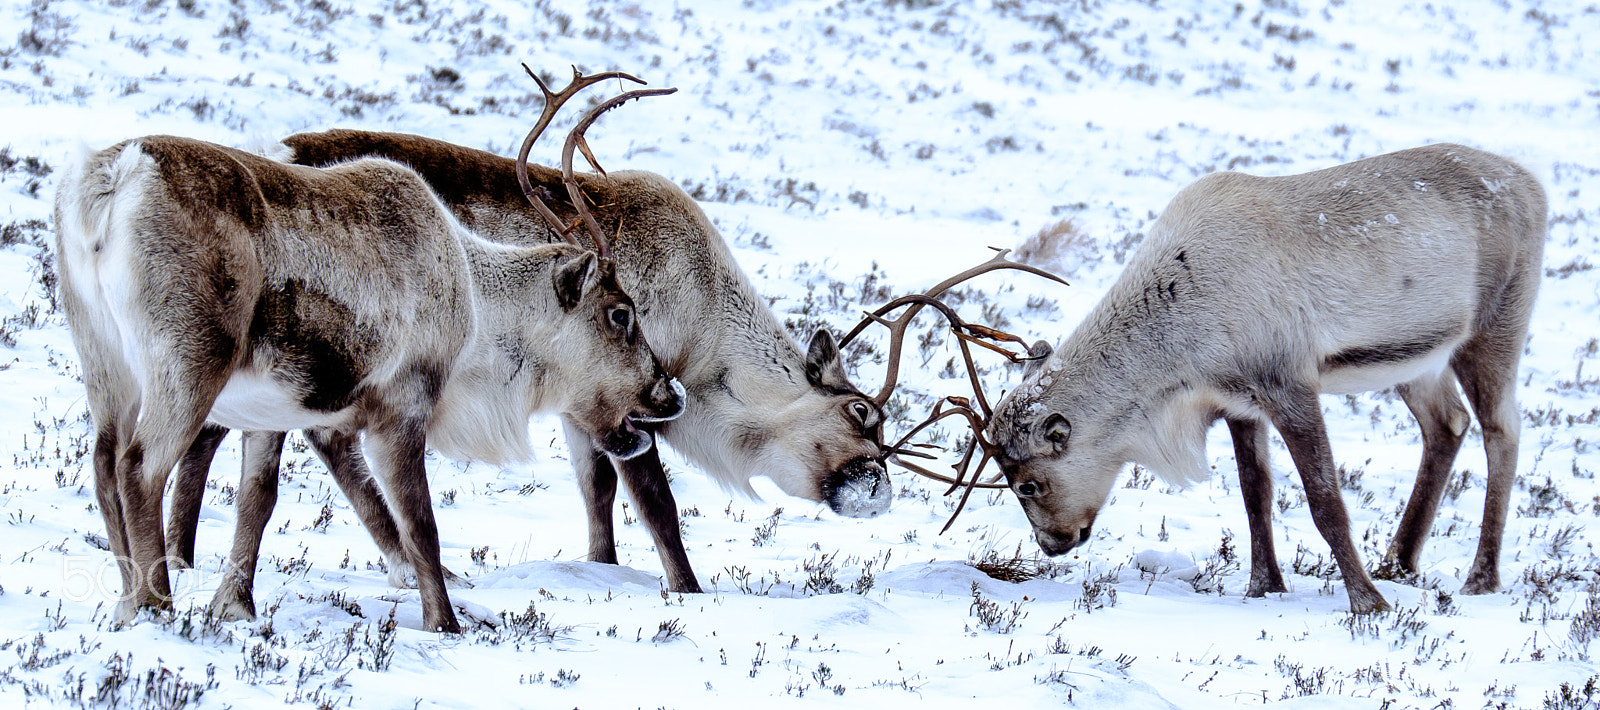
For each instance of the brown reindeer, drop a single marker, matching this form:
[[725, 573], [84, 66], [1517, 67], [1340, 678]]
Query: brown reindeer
[[759, 404], [1251, 296], [206, 284]]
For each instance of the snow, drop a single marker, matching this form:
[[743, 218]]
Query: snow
[[826, 140]]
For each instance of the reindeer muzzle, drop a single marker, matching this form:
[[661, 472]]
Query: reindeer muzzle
[[1054, 544], [665, 402], [859, 489]]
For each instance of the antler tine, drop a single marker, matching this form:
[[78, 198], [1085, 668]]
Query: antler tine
[[968, 494], [939, 413], [897, 333], [553, 100], [574, 138], [897, 327]]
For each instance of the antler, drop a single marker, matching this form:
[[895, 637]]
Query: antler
[[897, 327], [966, 333], [575, 140], [552, 103]]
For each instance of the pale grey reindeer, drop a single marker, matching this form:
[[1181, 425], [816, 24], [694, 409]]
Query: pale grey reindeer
[[757, 404], [1252, 295], [206, 284]]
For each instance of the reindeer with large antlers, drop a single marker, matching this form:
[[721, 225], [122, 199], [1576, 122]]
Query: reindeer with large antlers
[[207, 285], [758, 404]]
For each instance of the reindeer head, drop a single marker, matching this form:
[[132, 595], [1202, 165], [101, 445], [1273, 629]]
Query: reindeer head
[[619, 381], [587, 289], [1056, 452], [977, 414], [832, 428]]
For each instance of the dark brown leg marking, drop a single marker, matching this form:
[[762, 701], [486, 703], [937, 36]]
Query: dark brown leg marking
[[1298, 416], [658, 510], [1255, 482], [188, 494], [1443, 421]]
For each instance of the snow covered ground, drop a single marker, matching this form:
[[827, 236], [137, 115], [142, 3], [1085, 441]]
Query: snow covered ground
[[829, 139]]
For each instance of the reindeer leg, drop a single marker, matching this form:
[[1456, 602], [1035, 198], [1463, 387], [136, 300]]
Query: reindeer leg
[[397, 439], [1297, 414], [257, 496], [647, 485], [1255, 483], [1487, 368], [170, 419], [1436, 403], [341, 453], [106, 493], [188, 494], [597, 480]]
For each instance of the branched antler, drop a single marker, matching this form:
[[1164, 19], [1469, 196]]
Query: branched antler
[[897, 327], [553, 100], [575, 140], [966, 334]]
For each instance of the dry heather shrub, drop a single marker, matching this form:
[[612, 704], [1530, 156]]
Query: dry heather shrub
[[1059, 247]]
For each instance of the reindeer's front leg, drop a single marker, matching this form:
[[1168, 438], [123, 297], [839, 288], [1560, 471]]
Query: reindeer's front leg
[[647, 484], [1297, 414], [397, 440], [1255, 483], [341, 453], [597, 481]]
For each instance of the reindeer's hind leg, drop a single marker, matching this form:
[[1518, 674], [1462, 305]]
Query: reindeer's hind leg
[[341, 453], [257, 496], [105, 492], [1436, 403], [170, 418], [1487, 368], [647, 484], [188, 494], [597, 481], [1297, 414], [1255, 482]]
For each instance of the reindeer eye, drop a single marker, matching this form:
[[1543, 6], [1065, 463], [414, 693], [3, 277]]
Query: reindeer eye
[[622, 318], [861, 410], [1028, 489]]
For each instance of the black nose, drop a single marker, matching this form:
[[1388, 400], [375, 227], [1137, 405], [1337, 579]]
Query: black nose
[[859, 489], [1053, 544], [666, 401]]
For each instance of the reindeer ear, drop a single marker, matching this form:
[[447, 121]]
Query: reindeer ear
[[1053, 434], [823, 367], [572, 277], [1037, 354]]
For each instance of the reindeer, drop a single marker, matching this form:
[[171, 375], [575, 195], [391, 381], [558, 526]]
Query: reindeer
[[757, 403], [1251, 295], [206, 284]]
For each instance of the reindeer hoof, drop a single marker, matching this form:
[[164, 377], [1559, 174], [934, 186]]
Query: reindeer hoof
[[445, 625], [1481, 583], [404, 576], [1269, 581], [127, 612], [1370, 603], [1394, 569], [230, 605], [454, 581]]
